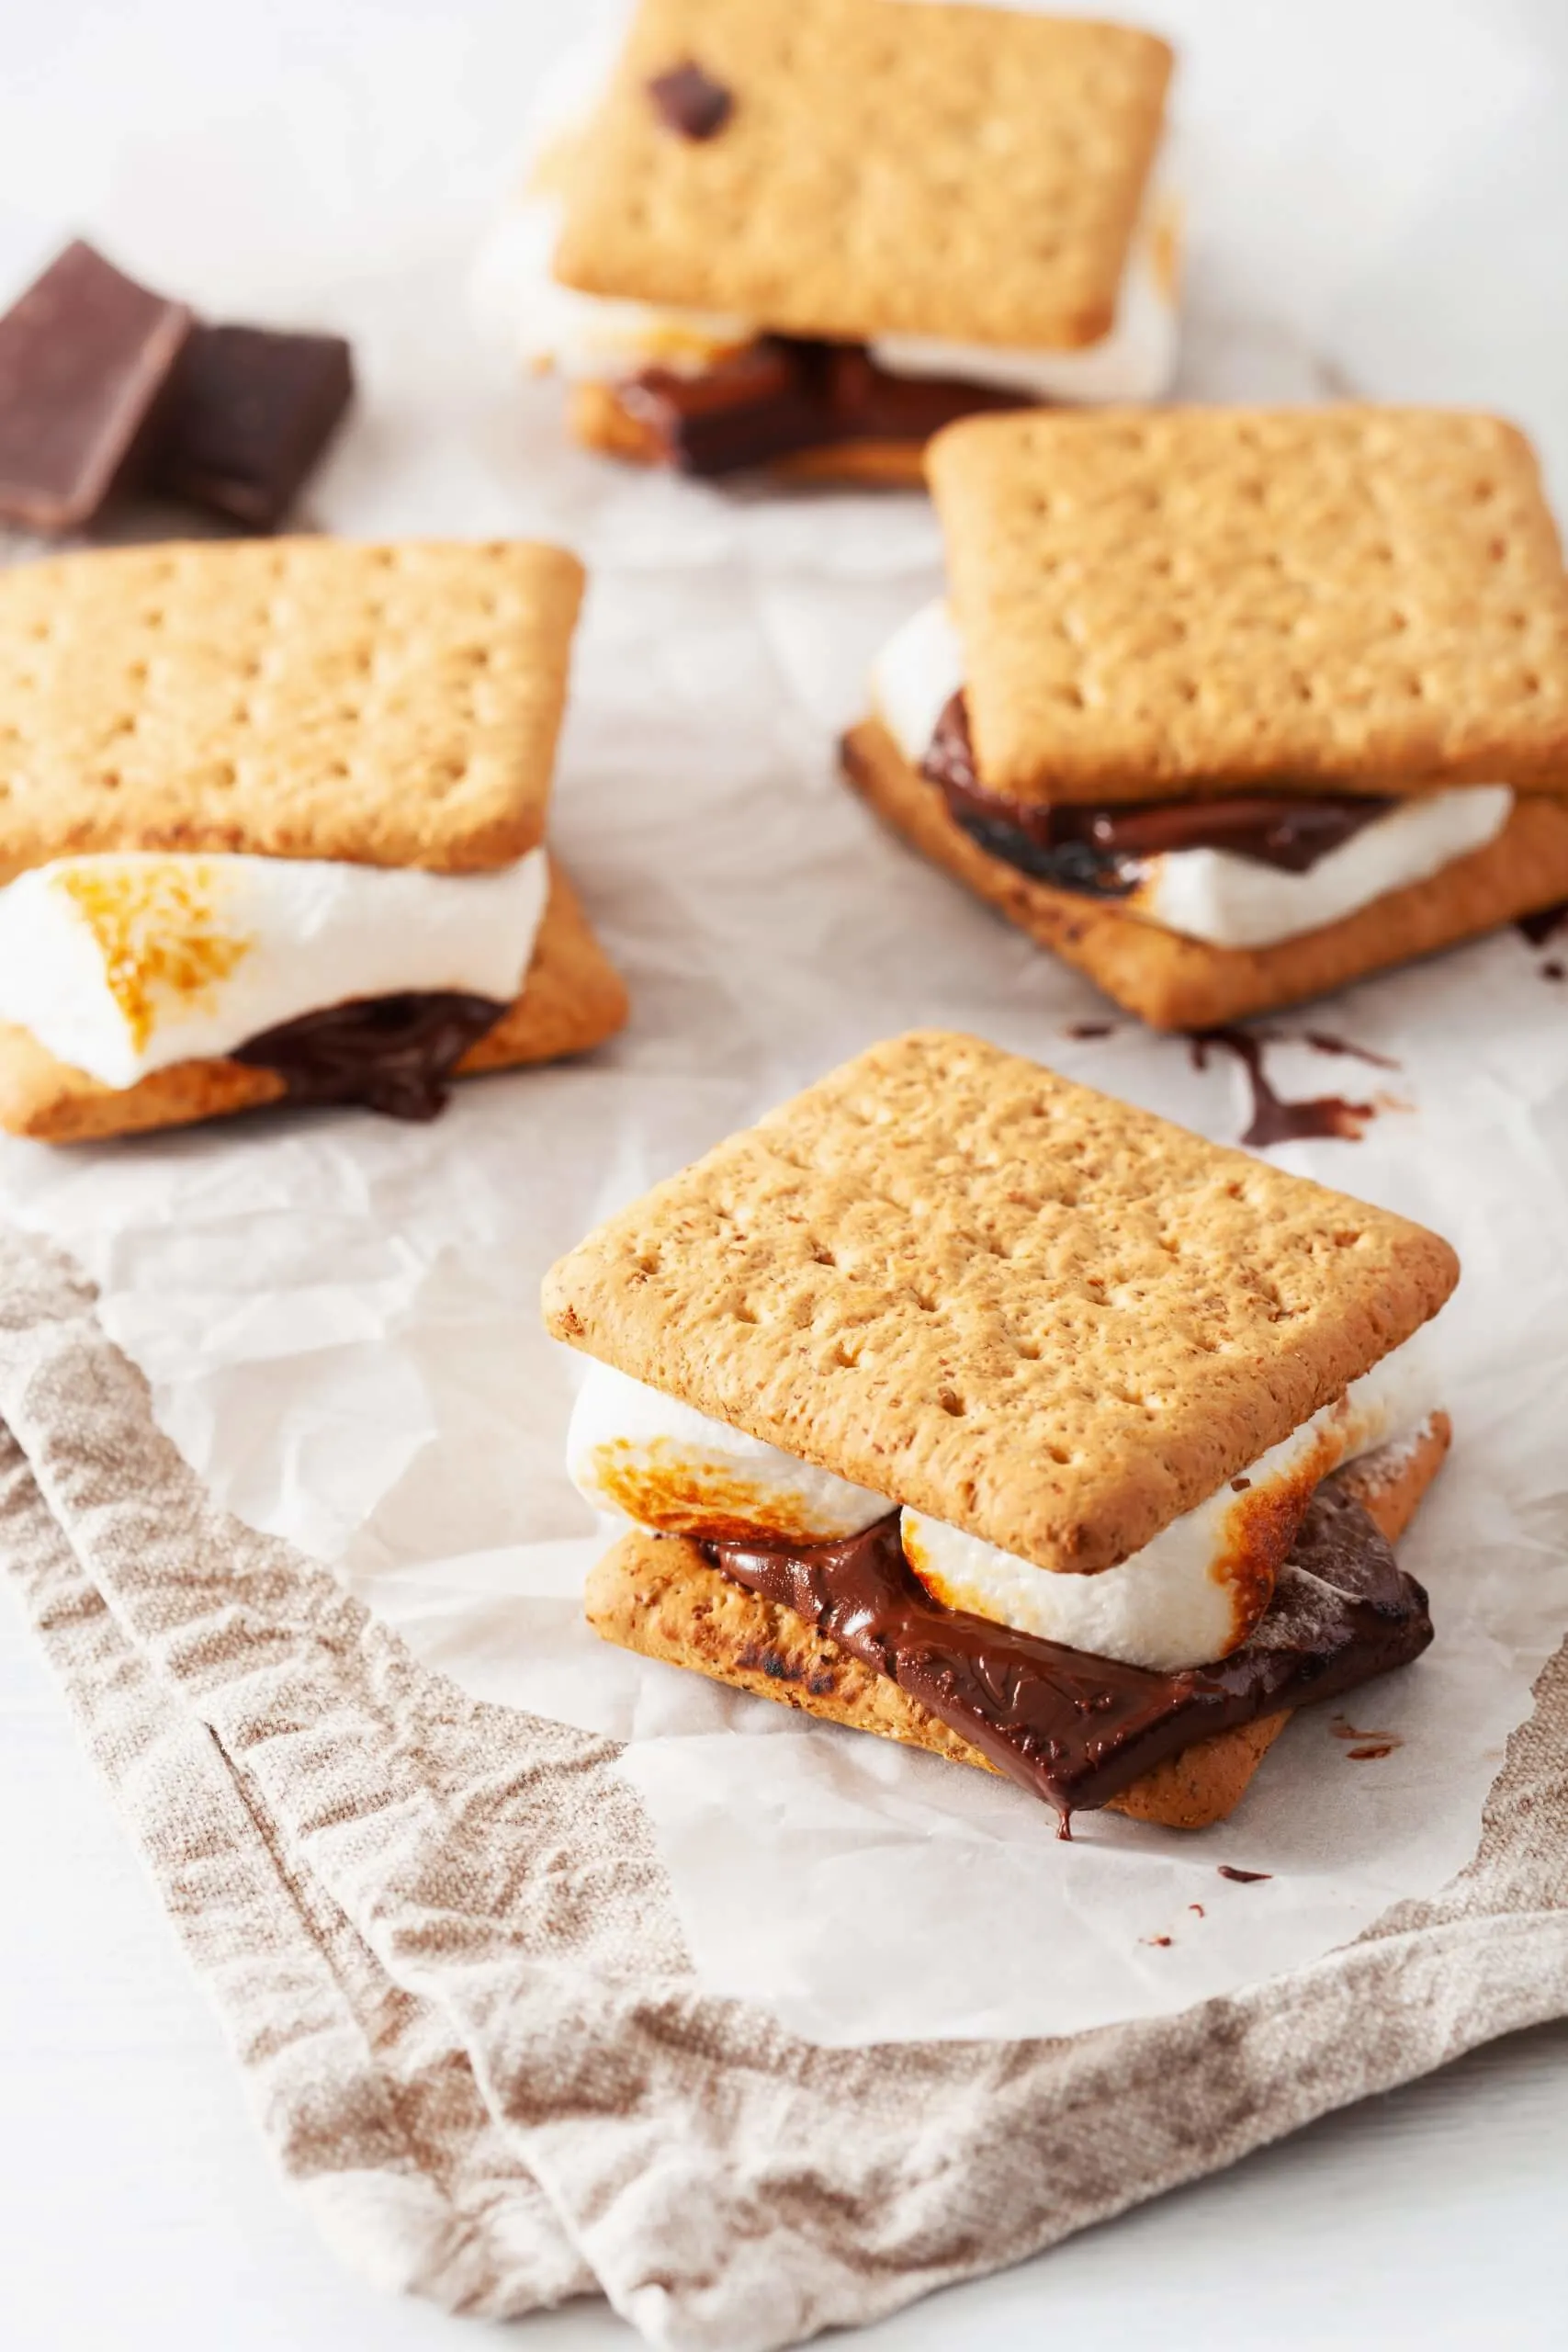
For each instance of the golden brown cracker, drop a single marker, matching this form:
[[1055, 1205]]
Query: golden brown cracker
[[388, 705], [973, 174], [965, 1282], [1177, 983], [1160, 602], [573, 1000]]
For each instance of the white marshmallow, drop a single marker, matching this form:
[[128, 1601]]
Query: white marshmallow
[[1210, 894], [645, 1456], [1135, 362], [1177, 1603], [123, 963], [588, 338]]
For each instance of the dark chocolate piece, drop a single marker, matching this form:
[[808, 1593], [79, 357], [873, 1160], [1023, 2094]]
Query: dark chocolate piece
[[392, 1054], [250, 412], [1273, 1119], [1075, 1729], [85, 358], [690, 102], [1102, 850], [782, 394]]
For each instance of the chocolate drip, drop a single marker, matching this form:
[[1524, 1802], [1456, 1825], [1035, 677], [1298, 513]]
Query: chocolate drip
[[782, 394], [1273, 1119], [392, 1054], [1103, 850], [1076, 1729], [1540, 928]]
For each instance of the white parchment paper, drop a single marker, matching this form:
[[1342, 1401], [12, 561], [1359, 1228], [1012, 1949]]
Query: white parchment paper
[[340, 1316]]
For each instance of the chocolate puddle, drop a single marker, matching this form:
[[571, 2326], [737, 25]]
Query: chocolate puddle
[[1273, 1119], [1102, 850], [1076, 1729], [392, 1054], [784, 394]]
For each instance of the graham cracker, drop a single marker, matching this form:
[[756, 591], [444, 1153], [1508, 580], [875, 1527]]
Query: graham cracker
[[1166, 601], [573, 998], [1176, 983], [968, 1284], [657, 1595], [598, 419], [968, 173], [390, 706]]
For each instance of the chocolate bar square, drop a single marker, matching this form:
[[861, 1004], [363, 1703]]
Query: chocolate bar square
[[250, 412], [85, 356]]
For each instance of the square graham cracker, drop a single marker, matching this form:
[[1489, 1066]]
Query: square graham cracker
[[306, 697], [959, 171], [962, 1281], [1161, 602], [657, 1595], [573, 1000], [1177, 983]]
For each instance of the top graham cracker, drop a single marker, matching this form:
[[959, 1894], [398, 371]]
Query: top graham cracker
[[884, 168], [1154, 603], [386, 705], [964, 1282]]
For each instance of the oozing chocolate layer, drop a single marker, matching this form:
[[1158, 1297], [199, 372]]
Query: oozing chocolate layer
[[1102, 850], [782, 395], [392, 1054], [1076, 1729]]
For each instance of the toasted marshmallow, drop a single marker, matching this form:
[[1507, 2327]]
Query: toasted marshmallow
[[1210, 894], [645, 1457], [123, 963], [1198, 1591]]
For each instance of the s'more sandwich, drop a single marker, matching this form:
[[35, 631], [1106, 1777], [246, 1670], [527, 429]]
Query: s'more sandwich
[[1229, 707], [272, 820], [807, 233], [960, 1403]]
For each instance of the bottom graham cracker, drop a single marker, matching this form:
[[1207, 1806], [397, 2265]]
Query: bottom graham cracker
[[573, 998], [1177, 983], [657, 1595]]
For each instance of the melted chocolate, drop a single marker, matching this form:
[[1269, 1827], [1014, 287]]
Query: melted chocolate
[[689, 101], [1076, 1729], [1103, 850], [1244, 1878], [1540, 928], [782, 394], [1322, 1041], [1273, 1119], [392, 1054]]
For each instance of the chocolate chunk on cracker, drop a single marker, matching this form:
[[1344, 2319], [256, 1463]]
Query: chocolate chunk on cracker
[[690, 102]]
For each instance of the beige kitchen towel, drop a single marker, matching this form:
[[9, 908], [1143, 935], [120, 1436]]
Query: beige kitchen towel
[[442, 1946]]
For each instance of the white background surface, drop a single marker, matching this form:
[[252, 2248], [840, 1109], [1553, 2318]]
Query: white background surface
[[1384, 182]]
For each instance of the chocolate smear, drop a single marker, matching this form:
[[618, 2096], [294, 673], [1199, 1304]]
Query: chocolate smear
[[85, 358], [1073, 1728], [1322, 1041], [392, 1054], [689, 101], [1243, 1877], [1273, 1119]]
